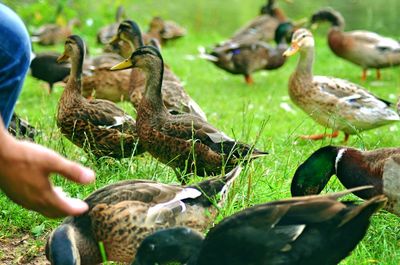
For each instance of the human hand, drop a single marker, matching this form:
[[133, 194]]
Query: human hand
[[24, 177]]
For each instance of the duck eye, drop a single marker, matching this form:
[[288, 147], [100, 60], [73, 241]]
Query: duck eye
[[303, 36]]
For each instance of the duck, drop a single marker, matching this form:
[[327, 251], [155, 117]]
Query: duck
[[246, 58], [50, 34], [332, 102], [364, 48], [175, 97], [97, 126], [163, 30], [261, 28], [185, 142], [353, 167], [45, 67], [302, 230], [105, 34], [21, 129], [121, 214]]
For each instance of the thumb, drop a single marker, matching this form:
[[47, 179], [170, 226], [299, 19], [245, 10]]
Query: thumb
[[69, 169]]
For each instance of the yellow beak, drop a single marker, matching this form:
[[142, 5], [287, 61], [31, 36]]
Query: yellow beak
[[291, 50], [122, 65], [314, 26], [62, 58]]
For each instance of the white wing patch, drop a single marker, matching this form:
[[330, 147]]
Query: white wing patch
[[219, 137], [186, 193]]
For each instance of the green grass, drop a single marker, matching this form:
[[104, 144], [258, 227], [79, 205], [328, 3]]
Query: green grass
[[245, 112]]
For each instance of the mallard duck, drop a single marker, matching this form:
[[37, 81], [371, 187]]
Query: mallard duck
[[20, 128], [245, 58], [333, 102], [163, 30], [44, 67], [353, 167], [50, 34], [184, 142], [175, 97], [364, 48], [304, 230], [262, 28], [98, 126], [105, 34], [122, 214]]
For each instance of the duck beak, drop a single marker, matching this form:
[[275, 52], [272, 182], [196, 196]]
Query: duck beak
[[294, 47], [122, 65], [314, 26], [62, 58]]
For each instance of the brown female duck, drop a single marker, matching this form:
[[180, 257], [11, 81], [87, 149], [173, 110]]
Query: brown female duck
[[98, 126], [50, 34], [121, 215], [246, 58], [334, 103], [305, 230], [364, 48], [353, 167], [184, 142], [175, 97], [163, 31]]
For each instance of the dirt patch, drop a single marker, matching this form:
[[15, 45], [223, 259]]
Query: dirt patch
[[22, 250]]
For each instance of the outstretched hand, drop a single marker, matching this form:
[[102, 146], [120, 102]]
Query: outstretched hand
[[24, 177]]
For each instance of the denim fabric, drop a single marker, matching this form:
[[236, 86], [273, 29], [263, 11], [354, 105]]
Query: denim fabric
[[15, 53]]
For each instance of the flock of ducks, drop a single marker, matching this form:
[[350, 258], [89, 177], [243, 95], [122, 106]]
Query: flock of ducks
[[145, 222]]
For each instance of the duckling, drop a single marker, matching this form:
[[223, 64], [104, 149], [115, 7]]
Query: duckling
[[364, 48], [303, 230], [44, 67], [50, 34], [332, 102], [122, 214], [245, 58], [184, 142], [353, 167], [97, 126], [105, 34], [163, 31], [175, 97]]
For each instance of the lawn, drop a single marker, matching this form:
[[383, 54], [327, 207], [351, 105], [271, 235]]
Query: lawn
[[252, 114]]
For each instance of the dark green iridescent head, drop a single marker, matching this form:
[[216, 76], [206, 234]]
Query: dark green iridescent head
[[179, 244], [284, 32], [313, 175]]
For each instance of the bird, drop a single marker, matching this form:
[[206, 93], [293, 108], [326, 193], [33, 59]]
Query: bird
[[248, 57], [175, 98], [163, 31], [332, 102], [353, 167], [364, 48], [302, 230], [50, 34], [121, 214], [185, 142], [45, 67], [105, 34], [97, 126]]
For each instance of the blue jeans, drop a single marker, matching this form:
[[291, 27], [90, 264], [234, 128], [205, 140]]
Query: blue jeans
[[15, 55]]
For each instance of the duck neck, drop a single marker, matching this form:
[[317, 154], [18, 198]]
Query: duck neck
[[336, 20], [154, 76], [74, 81], [306, 61]]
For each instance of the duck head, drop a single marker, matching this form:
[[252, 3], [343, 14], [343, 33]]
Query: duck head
[[61, 247], [129, 32], [301, 39], [178, 244], [74, 47], [313, 175]]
